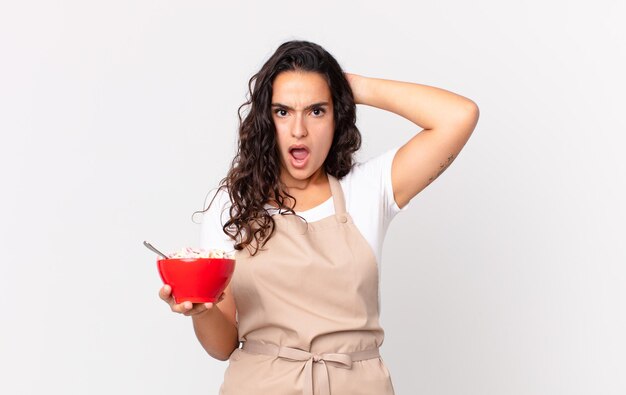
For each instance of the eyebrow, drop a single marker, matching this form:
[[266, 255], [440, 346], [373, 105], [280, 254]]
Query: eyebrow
[[309, 107]]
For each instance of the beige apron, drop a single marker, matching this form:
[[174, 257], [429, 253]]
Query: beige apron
[[308, 311]]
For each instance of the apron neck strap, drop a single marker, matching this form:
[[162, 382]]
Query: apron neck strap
[[338, 198]]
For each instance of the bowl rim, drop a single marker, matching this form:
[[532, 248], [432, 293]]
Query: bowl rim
[[195, 259]]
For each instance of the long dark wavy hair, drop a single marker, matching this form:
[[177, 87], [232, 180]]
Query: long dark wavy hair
[[254, 176]]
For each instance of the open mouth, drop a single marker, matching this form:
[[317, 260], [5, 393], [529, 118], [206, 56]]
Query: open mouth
[[299, 156], [299, 153]]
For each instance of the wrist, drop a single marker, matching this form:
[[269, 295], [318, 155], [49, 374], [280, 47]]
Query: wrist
[[203, 314], [357, 83]]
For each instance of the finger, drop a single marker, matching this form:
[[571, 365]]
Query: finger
[[182, 307], [165, 293], [197, 309]]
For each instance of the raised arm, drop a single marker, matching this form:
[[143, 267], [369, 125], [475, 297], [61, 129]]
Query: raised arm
[[447, 120]]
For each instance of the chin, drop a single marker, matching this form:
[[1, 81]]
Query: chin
[[300, 175]]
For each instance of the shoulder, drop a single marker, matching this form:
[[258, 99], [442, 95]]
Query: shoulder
[[371, 173], [216, 214], [370, 180], [217, 204], [375, 166]]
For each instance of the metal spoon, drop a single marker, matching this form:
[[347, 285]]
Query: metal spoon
[[151, 248]]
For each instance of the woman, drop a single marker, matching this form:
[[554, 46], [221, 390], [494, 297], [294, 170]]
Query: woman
[[307, 224]]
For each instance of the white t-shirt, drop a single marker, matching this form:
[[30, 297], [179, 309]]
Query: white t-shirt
[[369, 201]]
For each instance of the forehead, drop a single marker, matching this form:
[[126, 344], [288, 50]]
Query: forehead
[[300, 87]]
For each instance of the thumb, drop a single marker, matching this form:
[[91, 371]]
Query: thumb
[[208, 305]]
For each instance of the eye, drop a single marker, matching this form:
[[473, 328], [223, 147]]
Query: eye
[[319, 111], [280, 112]]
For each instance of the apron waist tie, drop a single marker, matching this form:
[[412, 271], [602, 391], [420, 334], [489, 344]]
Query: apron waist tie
[[295, 354]]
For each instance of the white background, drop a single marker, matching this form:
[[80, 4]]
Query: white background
[[506, 276]]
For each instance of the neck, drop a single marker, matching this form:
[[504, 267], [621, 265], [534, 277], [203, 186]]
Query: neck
[[318, 180], [293, 184]]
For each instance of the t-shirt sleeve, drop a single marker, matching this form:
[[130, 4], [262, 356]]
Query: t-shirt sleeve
[[389, 196], [211, 228], [370, 200], [379, 168]]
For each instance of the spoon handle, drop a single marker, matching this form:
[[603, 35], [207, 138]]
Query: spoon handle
[[151, 248]]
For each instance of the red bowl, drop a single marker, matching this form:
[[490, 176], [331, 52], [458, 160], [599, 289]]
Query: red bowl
[[198, 280]]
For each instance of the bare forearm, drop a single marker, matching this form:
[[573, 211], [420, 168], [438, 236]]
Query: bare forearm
[[217, 335], [426, 106]]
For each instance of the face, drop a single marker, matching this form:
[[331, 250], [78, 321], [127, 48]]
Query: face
[[302, 110]]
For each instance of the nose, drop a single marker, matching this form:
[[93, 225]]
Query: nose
[[299, 130]]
